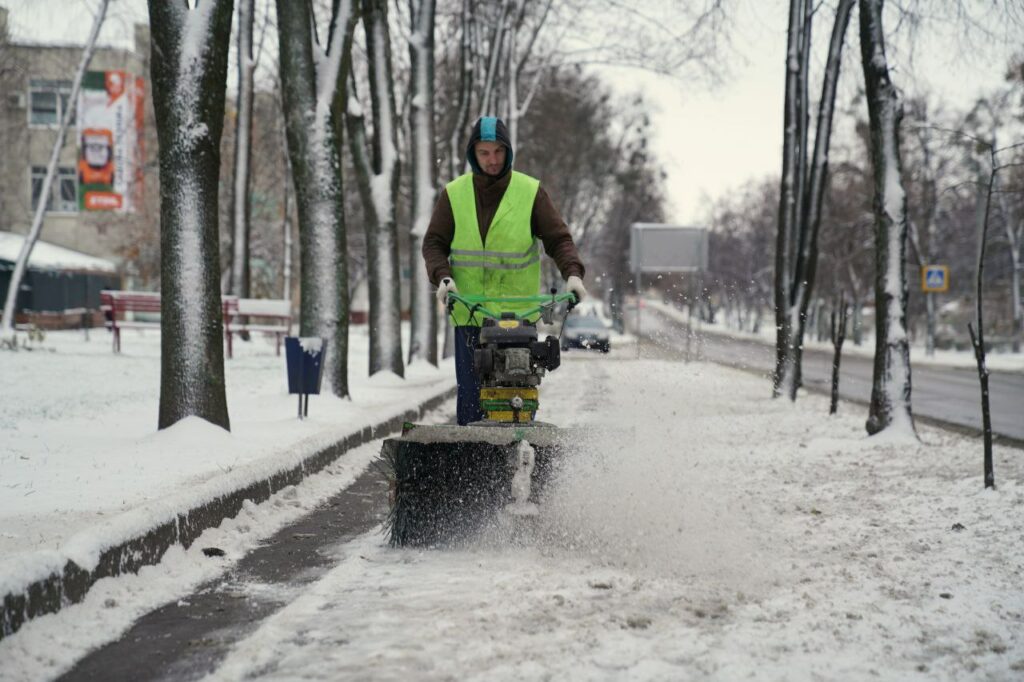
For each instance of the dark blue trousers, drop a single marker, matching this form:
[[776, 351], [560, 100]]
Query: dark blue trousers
[[468, 403]]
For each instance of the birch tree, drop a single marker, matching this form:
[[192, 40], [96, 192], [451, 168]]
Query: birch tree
[[423, 339], [189, 71], [890, 389], [238, 283], [7, 333], [312, 84], [375, 155], [802, 188]]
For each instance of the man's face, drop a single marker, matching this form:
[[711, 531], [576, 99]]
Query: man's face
[[490, 156]]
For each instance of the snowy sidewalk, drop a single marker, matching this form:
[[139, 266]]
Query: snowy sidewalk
[[83, 468], [737, 537]]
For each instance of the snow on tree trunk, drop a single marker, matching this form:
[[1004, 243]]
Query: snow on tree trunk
[[21, 264], [189, 70], [238, 283], [310, 80], [423, 339], [890, 391], [378, 184]]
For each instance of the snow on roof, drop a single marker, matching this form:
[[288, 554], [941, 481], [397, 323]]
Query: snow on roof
[[47, 256]]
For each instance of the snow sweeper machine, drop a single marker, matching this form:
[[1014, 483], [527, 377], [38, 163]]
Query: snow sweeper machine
[[446, 479]]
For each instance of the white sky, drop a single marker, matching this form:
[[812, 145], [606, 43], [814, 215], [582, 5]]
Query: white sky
[[709, 141]]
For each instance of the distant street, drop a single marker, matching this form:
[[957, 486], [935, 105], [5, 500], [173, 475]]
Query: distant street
[[947, 393]]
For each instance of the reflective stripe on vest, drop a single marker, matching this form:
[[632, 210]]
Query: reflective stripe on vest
[[508, 264]]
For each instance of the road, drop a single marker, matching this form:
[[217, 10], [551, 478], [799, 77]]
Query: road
[[948, 394]]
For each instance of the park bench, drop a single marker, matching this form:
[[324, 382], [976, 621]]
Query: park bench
[[240, 315], [115, 304], [263, 315]]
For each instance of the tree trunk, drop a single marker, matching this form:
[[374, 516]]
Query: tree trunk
[[189, 71], [791, 168], [890, 391], [238, 284], [377, 177], [423, 307], [456, 161], [978, 335], [1014, 238], [801, 204], [310, 87], [838, 335], [21, 264]]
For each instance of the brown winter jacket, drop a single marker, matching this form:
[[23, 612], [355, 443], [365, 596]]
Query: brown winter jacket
[[545, 221]]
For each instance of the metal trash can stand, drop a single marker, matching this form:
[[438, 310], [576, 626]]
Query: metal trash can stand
[[305, 360]]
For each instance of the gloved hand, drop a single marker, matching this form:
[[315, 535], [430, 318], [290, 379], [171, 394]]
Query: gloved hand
[[575, 285], [446, 286]]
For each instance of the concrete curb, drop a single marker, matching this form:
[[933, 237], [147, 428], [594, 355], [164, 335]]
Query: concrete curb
[[70, 586]]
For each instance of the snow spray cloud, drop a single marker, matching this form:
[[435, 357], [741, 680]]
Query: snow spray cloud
[[651, 498]]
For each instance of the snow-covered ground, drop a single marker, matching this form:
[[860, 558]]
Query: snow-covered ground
[[1003, 362], [733, 537], [727, 536], [82, 465]]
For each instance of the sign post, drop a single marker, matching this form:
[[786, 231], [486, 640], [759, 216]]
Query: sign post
[[658, 248]]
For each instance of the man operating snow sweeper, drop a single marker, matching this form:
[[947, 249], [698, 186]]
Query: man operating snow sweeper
[[483, 240], [482, 250]]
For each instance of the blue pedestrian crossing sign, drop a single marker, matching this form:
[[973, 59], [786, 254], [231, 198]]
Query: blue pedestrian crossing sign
[[935, 279]]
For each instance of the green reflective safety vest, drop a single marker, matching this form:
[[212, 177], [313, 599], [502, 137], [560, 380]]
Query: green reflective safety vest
[[508, 264]]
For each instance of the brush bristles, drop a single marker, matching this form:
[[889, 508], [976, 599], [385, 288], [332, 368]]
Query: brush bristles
[[444, 491]]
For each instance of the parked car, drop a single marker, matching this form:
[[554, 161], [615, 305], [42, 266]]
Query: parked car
[[586, 331]]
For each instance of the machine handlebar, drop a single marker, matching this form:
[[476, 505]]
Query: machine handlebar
[[545, 303]]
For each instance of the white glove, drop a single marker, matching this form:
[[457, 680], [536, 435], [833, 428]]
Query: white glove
[[575, 285], [446, 287]]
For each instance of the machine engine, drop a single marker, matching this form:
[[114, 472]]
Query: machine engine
[[510, 355]]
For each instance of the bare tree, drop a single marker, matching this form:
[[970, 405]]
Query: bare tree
[[838, 319], [238, 283], [890, 389], [189, 67], [377, 170], [423, 337], [987, 189], [313, 88], [7, 333], [803, 188], [977, 330], [923, 232]]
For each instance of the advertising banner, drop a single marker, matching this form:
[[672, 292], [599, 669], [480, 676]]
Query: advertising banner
[[110, 141]]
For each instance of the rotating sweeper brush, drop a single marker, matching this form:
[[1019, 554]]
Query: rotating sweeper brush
[[446, 479]]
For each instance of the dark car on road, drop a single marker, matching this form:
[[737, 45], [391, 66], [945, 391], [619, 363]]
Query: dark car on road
[[585, 331]]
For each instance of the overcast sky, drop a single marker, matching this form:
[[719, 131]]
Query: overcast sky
[[709, 141]]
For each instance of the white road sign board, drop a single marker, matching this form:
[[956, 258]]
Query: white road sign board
[[661, 248]]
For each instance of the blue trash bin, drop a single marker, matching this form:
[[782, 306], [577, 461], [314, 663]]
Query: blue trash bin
[[305, 359]]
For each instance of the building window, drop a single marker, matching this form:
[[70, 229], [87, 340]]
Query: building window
[[48, 100], [63, 196]]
